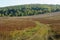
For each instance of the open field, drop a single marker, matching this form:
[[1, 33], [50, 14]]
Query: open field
[[27, 27]]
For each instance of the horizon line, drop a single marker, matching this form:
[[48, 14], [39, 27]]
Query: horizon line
[[27, 4]]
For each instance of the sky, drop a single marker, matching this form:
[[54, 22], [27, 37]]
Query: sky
[[4, 3]]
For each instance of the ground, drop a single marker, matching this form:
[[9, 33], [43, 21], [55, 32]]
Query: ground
[[10, 27]]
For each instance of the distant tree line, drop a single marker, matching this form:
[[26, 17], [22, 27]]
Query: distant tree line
[[28, 10]]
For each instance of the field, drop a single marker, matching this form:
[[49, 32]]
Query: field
[[37, 27]]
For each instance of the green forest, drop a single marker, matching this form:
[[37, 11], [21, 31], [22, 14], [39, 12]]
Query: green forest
[[28, 10]]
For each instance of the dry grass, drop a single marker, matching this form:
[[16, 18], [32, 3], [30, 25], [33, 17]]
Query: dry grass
[[15, 24], [40, 30], [21, 23], [54, 24]]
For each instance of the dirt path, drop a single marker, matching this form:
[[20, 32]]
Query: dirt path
[[42, 33]]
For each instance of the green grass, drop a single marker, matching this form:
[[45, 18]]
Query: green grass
[[40, 32]]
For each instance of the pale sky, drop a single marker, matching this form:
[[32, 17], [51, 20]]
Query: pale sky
[[4, 3]]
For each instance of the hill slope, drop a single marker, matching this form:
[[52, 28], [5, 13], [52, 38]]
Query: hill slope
[[28, 10]]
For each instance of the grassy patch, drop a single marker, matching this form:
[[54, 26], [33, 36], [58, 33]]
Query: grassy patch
[[37, 33]]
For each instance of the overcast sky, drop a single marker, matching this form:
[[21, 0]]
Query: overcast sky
[[4, 3]]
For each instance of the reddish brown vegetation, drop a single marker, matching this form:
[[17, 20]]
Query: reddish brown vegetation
[[10, 25], [22, 23], [54, 24]]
